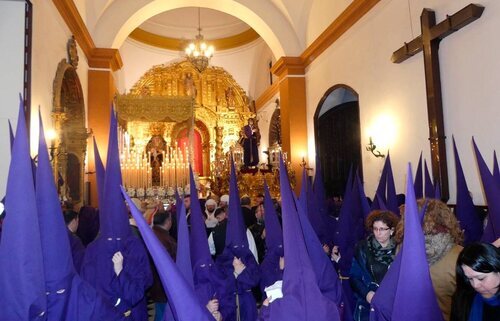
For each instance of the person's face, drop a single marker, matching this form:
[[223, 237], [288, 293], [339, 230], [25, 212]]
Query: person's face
[[259, 212], [187, 202], [210, 208], [381, 232], [485, 284], [221, 217]]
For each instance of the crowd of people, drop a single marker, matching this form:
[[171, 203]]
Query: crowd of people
[[468, 282], [237, 259]]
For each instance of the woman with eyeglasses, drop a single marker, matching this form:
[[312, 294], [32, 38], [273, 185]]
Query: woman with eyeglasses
[[372, 258]]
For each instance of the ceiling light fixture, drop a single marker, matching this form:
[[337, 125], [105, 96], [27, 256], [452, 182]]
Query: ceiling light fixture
[[198, 52]]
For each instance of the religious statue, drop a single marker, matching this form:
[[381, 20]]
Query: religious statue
[[229, 98], [250, 141], [189, 86], [155, 147]]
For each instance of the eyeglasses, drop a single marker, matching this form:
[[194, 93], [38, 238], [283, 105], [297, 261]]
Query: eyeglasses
[[381, 229]]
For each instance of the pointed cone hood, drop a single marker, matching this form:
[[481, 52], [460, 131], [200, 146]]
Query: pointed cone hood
[[274, 233], [392, 200], [382, 302], [22, 284], [299, 281], [418, 185], [492, 192], [418, 288], [316, 218], [465, 210], [326, 277], [100, 173], [429, 187], [496, 170], [57, 257], [183, 256], [200, 253], [113, 209], [381, 203], [350, 226], [11, 136], [382, 184], [365, 207], [236, 230], [319, 188], [303, 188], [181, 295]]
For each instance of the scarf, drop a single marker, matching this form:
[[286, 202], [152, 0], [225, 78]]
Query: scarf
[[384, 255], [476, 312]]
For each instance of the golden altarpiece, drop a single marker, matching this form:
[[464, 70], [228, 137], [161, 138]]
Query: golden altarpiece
[[175, 116]]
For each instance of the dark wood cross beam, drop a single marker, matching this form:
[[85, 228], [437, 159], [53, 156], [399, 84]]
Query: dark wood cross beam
[[428, 41]]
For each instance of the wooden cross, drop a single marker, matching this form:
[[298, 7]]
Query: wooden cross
[[428, 41]]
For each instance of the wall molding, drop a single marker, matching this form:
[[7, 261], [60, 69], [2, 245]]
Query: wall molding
[[96, 57]]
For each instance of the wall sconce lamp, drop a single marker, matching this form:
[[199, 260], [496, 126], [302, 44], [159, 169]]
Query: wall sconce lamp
[[303, 164], [371, 147]]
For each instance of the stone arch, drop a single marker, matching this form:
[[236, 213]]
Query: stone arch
[[68, 112], [121, 17], [338, 136]]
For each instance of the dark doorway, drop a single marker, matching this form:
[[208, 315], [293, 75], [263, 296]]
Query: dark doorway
[[338, 138]]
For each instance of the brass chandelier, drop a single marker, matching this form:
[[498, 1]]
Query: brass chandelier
[[198, 52]]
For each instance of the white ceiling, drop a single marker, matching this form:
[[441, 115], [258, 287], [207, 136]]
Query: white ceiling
[[183, 23]]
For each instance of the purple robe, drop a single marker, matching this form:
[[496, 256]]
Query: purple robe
[[250, 148], [130, 285], [239, 288], [77, 250], [270, 269]]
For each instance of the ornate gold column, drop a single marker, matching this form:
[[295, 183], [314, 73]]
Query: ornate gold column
[[292, 88], [101, 89], [58, 154]]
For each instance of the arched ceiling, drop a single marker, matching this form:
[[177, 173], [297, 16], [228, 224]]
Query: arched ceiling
[[120, 18]]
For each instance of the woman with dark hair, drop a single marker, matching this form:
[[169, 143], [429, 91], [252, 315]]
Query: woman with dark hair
[[477, 296], [371, 260]]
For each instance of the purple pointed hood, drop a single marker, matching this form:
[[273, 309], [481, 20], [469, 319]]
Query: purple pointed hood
[[236, 239], [418, 288], [418, 184], [299, 282], [392, 200], [492, 191], [56, 251], [382, 184], [350, 226], [180, 293], [326, 277], [100, 173], [22, 284], [114, 221], [11, 136], [274, 233], [321, 206], [200, 252], [496, 169], [365, 207], [183, 257], [382, 302], [429, 186], [465, 210]]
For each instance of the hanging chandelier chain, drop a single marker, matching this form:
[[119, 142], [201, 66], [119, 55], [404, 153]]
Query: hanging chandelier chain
[[198, 52]]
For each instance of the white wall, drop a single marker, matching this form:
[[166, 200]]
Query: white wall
[[11, 76], [469, 77], [50, 36]]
